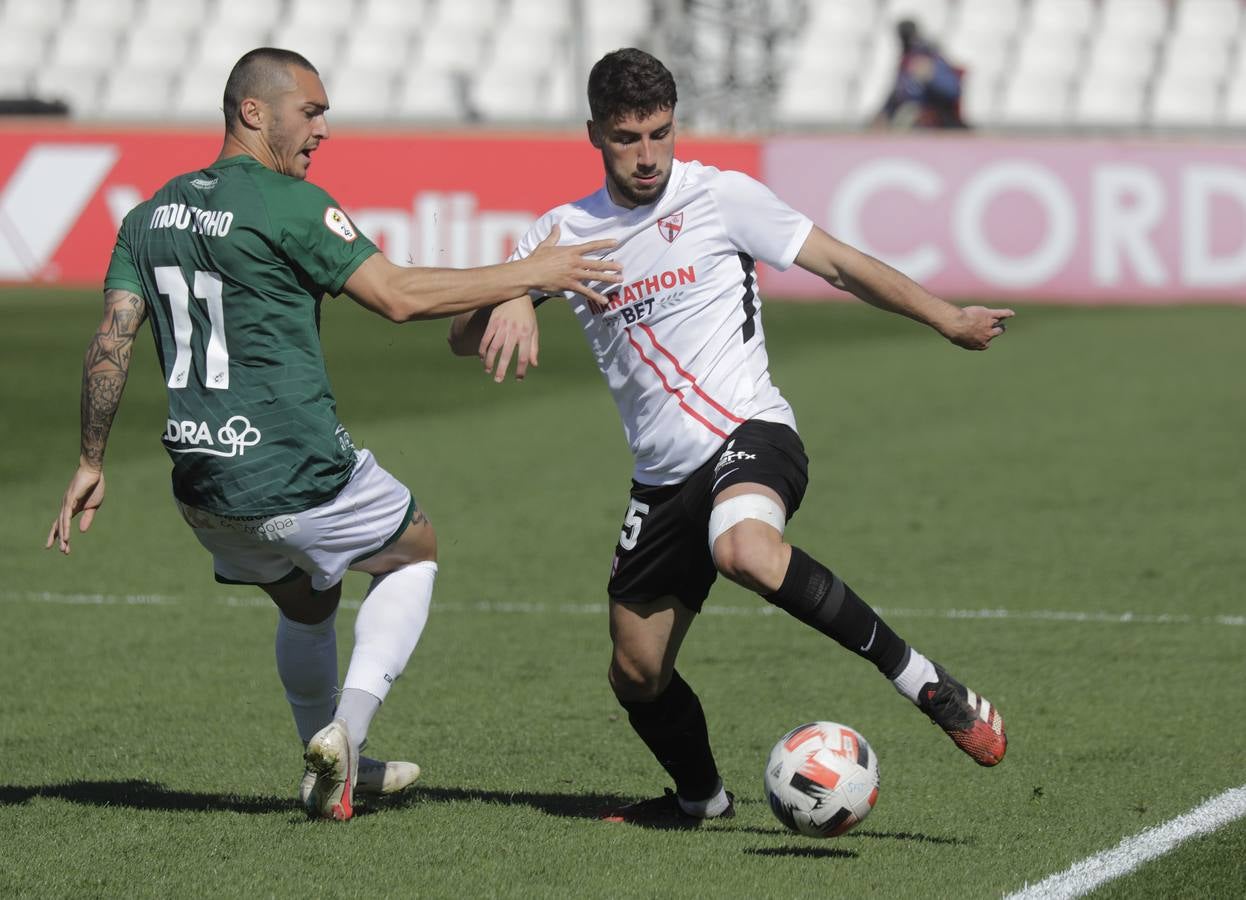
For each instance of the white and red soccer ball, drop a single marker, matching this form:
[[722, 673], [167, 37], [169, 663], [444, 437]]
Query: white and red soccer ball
[[821, 779]]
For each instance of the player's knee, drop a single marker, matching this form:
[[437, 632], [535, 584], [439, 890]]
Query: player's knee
[[634, 682], [746, 540], [752, 560]]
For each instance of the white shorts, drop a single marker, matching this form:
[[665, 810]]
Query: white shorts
[[369, 513]]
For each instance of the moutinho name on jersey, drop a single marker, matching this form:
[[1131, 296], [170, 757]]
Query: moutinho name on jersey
[[212, 222]]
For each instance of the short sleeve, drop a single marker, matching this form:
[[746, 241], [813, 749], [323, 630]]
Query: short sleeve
[[122, 272], [317, 236], [757, 221]]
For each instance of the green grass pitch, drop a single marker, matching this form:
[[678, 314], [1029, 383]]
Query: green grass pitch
[[1083, 479]]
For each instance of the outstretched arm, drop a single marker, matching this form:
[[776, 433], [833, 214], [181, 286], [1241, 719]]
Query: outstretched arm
[[875, 282], [402, 293], [104, 371]]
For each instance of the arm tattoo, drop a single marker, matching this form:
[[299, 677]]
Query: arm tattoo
[[104, 369]]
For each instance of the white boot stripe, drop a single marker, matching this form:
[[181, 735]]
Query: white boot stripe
[[971, 697], [985, 712]]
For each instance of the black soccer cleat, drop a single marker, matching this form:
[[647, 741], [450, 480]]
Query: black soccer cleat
[[969, 719], [663, 812]]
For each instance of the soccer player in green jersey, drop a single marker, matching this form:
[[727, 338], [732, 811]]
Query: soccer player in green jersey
[[229, 264]]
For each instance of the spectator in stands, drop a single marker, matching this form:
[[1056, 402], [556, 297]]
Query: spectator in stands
[[927, 89]]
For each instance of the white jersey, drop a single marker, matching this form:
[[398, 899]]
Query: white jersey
[[680, 342]]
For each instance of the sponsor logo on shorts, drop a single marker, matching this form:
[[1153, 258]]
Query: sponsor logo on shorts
[[231, 439], [266, 528], [730, 456]]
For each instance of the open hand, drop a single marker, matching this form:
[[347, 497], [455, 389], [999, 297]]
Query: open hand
[[573, 267]]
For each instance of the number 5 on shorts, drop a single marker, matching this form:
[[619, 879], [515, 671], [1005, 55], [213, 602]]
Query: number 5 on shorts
[[631, 524]]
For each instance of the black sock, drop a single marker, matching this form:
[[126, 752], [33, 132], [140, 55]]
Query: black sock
[[673, 728], [819, 598]]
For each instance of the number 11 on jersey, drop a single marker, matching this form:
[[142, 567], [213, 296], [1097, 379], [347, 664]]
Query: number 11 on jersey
[[171, 283]]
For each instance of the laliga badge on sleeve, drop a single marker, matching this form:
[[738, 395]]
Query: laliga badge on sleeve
[[339, 224]]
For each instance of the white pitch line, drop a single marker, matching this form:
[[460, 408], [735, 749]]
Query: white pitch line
[[1129, 854], [521, 607]]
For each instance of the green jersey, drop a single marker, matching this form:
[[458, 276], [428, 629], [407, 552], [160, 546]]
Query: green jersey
[[233, 262]]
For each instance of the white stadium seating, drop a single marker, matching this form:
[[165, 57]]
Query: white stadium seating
[[1134, 65]]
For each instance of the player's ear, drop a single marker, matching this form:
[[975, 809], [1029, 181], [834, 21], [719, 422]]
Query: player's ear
[[593, 137], [251, 111]]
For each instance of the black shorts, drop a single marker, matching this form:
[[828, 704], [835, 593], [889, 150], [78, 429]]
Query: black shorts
[[663, 549]]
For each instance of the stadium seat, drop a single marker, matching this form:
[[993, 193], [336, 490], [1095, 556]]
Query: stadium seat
[[1043, 55], [182, 15], [137, 94], [75, 86], [1209, 18], [23, 49], [1197, 57], [807, 103], [377, 48], [980, 96], [16, 82], [1183, 103], [1110, 99], [82, 48], [1000, 17], [334, 15], [1070, 19], [155, 47], [1029, 102], [831, 23], [535, 16], [1137, 18], [463, 15], [221, 44], [318, 45], [358, 93], [1120, 58], [811, 61], [105, 15], [1234, 112], [40, 16], [503, 95], [433, 94], [876, 77], [451, 48], [197, 95], [253, 15]]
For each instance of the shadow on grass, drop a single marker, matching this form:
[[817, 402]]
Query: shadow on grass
[[137, 794], [908, 836], [813, 852], [574, 806]]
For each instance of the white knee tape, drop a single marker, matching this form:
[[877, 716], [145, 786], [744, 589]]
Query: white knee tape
[[746, 506]]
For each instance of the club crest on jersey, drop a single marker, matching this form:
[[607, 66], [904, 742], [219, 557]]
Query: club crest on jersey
[[670, 226], [339, 224]]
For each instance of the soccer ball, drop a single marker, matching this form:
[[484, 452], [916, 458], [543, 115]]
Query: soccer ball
[[821, 779]]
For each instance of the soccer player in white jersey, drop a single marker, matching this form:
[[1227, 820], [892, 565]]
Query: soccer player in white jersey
[[719, 465]]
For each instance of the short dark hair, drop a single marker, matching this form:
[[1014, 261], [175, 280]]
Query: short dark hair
[[257, 75], [629, 82]]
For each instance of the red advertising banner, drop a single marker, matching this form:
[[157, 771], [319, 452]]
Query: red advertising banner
[[426, 199], [1086, 220]]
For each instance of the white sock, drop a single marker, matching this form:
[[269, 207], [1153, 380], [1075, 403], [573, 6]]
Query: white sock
[[390, 622], [706, 809], [356, 708], [307, 667], [918, 673]]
